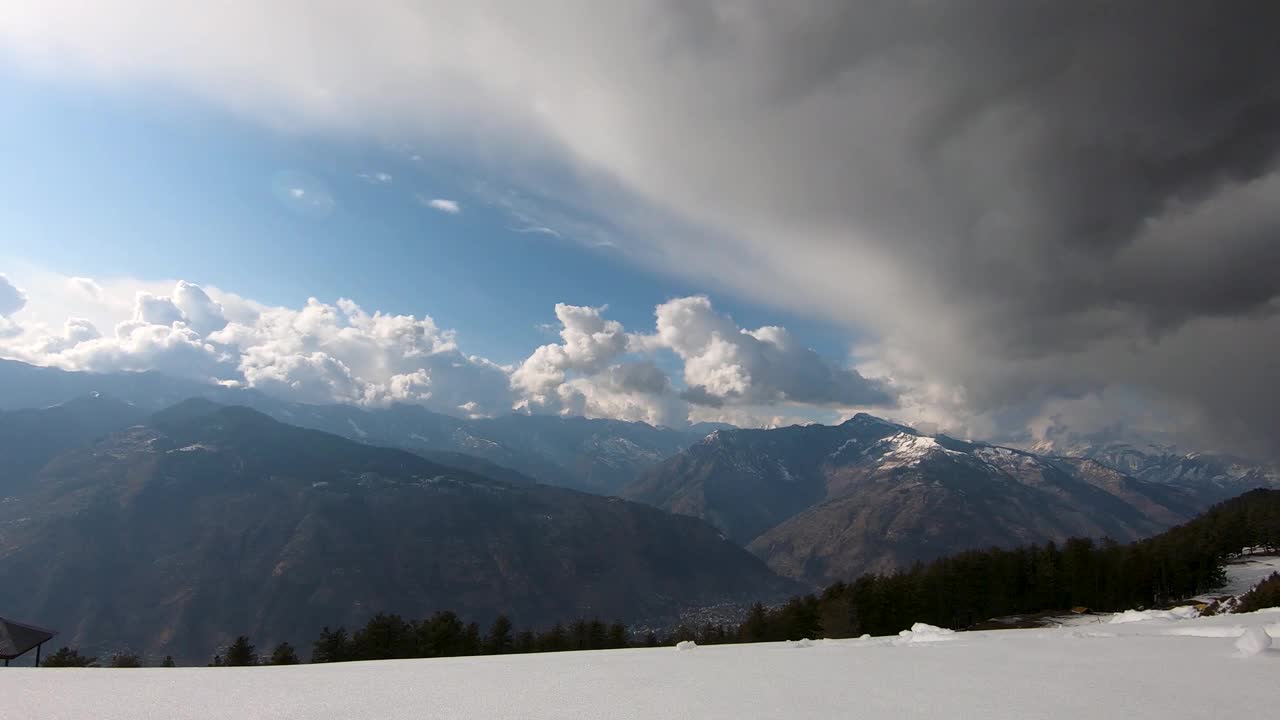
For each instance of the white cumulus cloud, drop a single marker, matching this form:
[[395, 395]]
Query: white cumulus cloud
[[450, 207], [326, 352], [727, 364], [156, 310], [600, 370], [88, 286], [320, 352], [589, 343]]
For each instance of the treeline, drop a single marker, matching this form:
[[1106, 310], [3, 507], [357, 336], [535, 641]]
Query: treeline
[[70, 657], [243, 653], [962, 590], [444, 634]]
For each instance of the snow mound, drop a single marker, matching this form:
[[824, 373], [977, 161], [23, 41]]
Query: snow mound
[[1129, 616], [686, 645], [1254, 641], [1209, 631], [806, 642], [923, 633], [1186, 612]]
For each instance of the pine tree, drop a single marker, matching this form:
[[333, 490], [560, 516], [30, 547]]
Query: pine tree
[[756, 626], [498, 641], [618, 636], [554, 640], [284, 654], [579, 636], [384, 637], [470, 644], [333, 646], [441, 635], [597, 635], [526, 642], [168, 662], [837, 612], [241, 653]]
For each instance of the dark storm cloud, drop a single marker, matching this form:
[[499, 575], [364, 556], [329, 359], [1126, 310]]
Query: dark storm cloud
[[1090, 188], [1059, 197], [1047, 140]]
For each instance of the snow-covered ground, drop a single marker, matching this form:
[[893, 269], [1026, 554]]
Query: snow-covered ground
[[1244, 573], [1148, 668]]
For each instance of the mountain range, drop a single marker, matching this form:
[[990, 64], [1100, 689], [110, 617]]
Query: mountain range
[[825, 503], [599, 456], [168, 515], [1213, 475], [174, 535]]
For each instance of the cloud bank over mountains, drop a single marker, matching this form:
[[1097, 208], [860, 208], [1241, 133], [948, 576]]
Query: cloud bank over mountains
[[1034, 209], [723, 365], [340, 352]]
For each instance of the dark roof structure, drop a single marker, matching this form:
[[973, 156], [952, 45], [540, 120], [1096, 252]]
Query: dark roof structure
[[17, 638]]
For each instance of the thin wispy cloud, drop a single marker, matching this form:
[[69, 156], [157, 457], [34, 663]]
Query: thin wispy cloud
[[538, 230], [303, 193], [376, 178], [311, 201]]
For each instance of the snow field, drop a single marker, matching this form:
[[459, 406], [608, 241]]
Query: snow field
[[1162, 668], [1243, 574]]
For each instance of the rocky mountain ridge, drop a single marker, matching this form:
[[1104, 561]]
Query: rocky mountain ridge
[[823, 503]]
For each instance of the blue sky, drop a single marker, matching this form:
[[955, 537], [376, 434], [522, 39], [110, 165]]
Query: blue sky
[[139, 185], [121, 181]]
